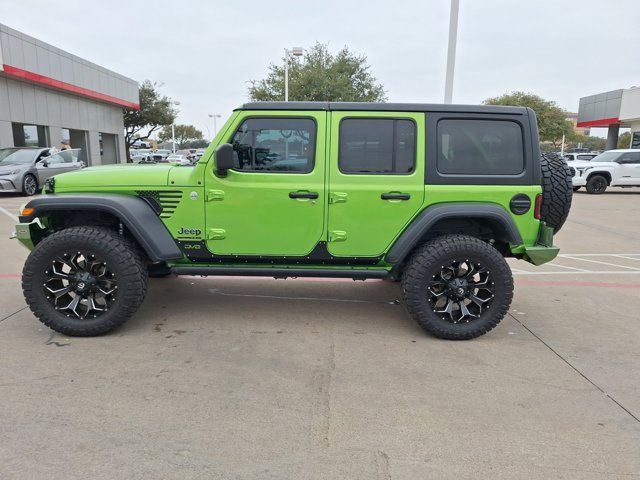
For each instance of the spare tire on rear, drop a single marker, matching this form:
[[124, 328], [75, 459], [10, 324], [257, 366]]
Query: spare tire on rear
[[557, 191]]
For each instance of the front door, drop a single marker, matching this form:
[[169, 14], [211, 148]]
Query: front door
[[376, 179], [629, 168], [61, 162], [272, 202]]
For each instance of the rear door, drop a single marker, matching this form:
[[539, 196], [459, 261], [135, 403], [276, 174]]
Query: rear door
[[376, 179], [629, 168]]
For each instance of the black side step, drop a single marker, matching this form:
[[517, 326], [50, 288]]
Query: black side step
[[279, 272]]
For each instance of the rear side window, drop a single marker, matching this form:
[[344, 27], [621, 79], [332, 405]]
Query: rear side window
[[277, 145], [377, 146], [479, 147]]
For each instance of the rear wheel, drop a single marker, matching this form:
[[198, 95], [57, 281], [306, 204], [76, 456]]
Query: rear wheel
[[84, 281], [29, 185], [457, 287], [597, 184]]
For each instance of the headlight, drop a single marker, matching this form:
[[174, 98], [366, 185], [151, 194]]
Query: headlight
[[9, 172]]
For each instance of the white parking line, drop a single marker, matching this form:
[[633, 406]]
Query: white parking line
[[586, 272], [628, 257], [9, 214], [566, 266], [602, 263]]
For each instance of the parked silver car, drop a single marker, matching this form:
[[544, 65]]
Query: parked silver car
[[24, 170]]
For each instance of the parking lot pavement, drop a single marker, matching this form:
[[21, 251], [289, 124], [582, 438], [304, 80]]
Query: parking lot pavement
[[232, 378]]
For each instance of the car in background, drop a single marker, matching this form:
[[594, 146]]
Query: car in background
[[141, 155], [179, 158], [25, 169], [572, 157], [161, 155], [613, 168], [200, 153]]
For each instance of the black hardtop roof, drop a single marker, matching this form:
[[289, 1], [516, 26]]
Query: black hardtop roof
[[384, 107]]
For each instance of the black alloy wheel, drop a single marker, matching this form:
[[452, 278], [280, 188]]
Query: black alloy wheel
[[80, 285]]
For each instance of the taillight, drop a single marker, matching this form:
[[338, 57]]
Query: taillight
[[537, 212]]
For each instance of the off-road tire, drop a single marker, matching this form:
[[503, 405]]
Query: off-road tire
[[119, 254], [27, 181], [597, 184], [428, 260], [557, 191]]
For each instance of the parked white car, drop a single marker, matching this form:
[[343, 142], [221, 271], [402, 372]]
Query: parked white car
[[615, 168], [571, 157]]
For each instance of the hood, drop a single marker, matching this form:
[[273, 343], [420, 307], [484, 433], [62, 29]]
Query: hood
[[591, 164], [121, 175]]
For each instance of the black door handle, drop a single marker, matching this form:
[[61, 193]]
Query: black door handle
[[395, 196], [303, 194]]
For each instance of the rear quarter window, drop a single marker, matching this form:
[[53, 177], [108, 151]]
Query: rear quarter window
[[479, 147]]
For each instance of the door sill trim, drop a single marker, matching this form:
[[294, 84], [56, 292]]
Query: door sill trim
[[279, 272]]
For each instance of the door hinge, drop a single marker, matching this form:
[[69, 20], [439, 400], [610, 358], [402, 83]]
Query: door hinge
[[215, 195], [216, 233], [337, 236], [338, 197]]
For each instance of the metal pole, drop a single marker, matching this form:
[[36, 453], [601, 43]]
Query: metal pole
[[451, 54], [215, 126], [286, 75], [562, 147], [173, 136]]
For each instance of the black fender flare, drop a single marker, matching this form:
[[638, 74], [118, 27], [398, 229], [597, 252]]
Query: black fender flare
[[431, 215], [135, 214]]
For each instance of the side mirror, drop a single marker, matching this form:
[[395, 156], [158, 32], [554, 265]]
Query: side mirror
[[224, 159], [43, 162]]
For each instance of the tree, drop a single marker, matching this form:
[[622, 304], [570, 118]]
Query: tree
[[552, 120], [624, 140], [321, 76], [585, 141], [156, 111], [184, 134]]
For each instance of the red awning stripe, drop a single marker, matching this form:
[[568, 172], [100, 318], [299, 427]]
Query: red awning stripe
[[599, 123], [67, 87]]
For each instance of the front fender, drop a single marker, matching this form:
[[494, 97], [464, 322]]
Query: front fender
[[134, 213]]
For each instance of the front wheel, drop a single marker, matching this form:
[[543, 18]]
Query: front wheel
[[29, 185], [84, 281], [597, 184], [457, 287]]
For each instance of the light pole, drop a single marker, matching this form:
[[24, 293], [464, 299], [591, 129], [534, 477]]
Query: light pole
[[173, 130], [296, 52], [451, 54], [215, 124]]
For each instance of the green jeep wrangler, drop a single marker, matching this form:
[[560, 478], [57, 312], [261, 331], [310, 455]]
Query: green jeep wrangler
[[433, 196]]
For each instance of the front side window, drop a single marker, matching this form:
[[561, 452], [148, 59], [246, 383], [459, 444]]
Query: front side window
[[275, 145], [377, 146], [479, 147]]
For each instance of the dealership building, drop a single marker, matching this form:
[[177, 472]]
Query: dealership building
[[49, 98], [614, 109]]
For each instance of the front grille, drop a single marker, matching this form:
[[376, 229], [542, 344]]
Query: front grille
[[168, 200], [573, 171]]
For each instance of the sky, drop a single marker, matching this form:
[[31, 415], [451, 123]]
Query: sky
[[203, 53]]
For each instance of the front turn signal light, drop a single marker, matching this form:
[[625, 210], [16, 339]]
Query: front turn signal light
[[27, 211]]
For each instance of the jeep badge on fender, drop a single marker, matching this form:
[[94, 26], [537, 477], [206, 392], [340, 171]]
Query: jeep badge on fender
[[432, 196]]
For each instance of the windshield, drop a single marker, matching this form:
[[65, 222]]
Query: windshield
[[16, 155], [606, 157]]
